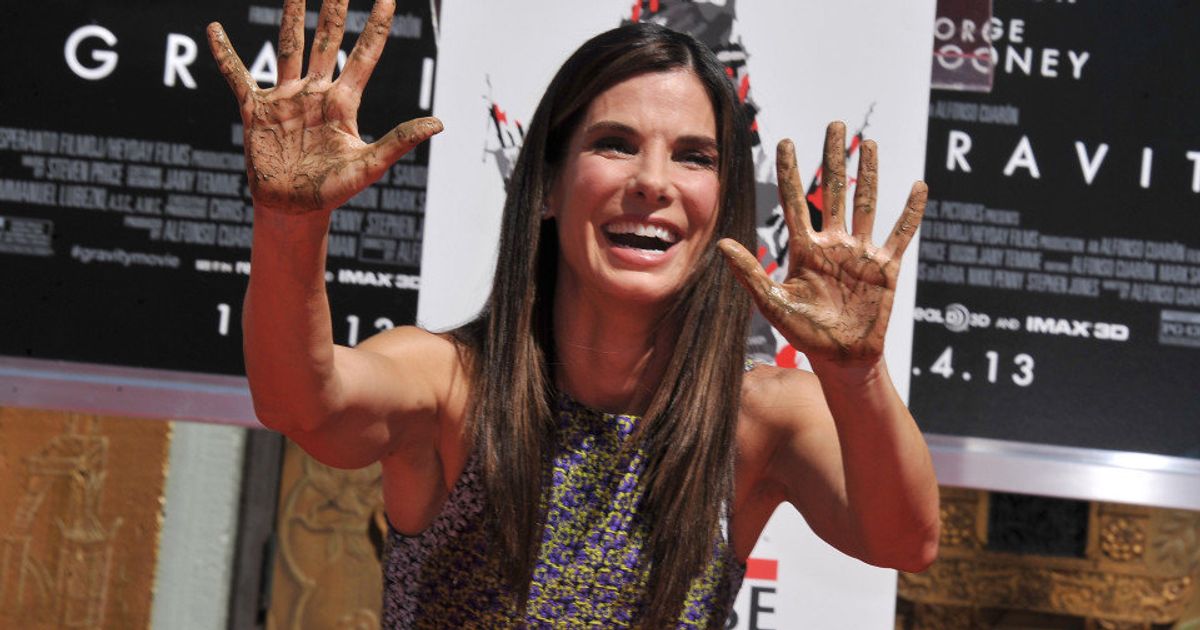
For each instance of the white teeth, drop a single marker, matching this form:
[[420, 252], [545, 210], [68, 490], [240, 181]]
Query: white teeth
[[641, 229]]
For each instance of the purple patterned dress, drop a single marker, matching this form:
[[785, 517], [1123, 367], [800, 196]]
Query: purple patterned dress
[[590, 569]]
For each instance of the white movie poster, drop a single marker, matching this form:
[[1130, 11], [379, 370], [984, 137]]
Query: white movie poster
[[797, 66]]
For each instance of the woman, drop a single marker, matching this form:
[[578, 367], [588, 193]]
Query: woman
[[590, 449]]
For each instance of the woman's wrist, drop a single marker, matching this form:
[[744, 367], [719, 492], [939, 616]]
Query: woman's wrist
[[852, 374], [281, 225]]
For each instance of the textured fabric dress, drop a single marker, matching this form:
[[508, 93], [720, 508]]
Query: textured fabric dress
[[591, 570]]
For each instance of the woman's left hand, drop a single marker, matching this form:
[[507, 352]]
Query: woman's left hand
[[837, 297]]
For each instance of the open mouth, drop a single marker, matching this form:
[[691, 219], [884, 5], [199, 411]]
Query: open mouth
[[640, 236]]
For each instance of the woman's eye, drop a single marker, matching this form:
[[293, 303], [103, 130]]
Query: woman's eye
[[700, 159], [615, 145]]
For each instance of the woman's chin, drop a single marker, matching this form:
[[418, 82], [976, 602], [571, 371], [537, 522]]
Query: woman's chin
[[642, 288], [625, 277]]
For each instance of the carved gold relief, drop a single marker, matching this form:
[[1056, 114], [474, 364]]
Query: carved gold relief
[[327, 572], [78, 537], [926, 617], [1176, 545], [1122, 540], [997, 583], [1108, 624], [1140, 568], [958, 516]]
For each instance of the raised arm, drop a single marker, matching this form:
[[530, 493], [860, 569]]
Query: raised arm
[[856, 466], [304, 158]]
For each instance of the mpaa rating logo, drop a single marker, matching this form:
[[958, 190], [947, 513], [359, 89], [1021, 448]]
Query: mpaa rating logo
[[1179, 328]]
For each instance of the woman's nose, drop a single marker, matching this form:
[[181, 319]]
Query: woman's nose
[[652, 182]]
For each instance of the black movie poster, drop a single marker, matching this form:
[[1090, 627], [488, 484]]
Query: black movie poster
[[1059, 285], [124, 213]]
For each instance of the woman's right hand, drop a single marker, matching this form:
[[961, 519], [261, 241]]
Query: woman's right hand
[[303, 151]]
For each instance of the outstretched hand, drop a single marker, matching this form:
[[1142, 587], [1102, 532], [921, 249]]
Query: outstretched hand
[[303, 151], [837, 297]]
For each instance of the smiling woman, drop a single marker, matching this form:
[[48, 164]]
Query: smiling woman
[[629, 132], [636, 198], [591, 449]]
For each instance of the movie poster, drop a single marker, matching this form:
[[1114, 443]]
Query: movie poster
[[125, 218], [1058, 297]]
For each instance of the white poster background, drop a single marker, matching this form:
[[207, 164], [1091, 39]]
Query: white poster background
[[810, 62]]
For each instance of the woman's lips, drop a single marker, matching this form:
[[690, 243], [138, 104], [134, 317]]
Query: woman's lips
[[645, 236]]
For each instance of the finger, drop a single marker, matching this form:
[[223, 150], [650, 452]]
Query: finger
[[908, 222], [746, 269], [328, 39], [291, 41], [229, 63], [833, 178], [386, 150], [369, 46], [791, 194], [865, 190]]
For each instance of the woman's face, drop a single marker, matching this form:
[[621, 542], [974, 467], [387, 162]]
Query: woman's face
[[637, 196]]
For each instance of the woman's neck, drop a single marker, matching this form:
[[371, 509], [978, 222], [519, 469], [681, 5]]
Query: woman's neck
[[611, 355]]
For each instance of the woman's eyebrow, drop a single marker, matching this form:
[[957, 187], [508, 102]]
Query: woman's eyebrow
[[611, 126], [699, 142]]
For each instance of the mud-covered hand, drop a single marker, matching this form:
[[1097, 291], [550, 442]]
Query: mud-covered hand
[[835, 302], [303, 151]]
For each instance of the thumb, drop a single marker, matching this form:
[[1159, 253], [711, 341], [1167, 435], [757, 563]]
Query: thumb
[[746, 269], [401, 140]]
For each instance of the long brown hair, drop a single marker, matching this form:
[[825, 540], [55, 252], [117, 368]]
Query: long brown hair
[[688, 431]]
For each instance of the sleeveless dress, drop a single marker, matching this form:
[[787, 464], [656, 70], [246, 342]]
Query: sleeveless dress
[[590, 570]]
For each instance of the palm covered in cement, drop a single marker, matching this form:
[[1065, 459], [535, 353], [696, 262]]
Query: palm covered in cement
[[303, 149], [836, 299]]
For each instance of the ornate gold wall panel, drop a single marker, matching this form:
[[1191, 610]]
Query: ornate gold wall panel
[[329, 529], [80, 516], [1140, 568]]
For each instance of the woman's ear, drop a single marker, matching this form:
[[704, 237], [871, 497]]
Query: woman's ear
[[551, 203]]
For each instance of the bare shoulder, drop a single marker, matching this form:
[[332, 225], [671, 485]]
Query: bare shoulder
[[784, 427], [402, 390], [781, 400], [778, 405], [411, 342], [781, 410], [418, 474], [435, 360]]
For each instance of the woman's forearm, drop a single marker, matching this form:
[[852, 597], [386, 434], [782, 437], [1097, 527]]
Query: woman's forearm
[[890, 483], [288, 339]]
